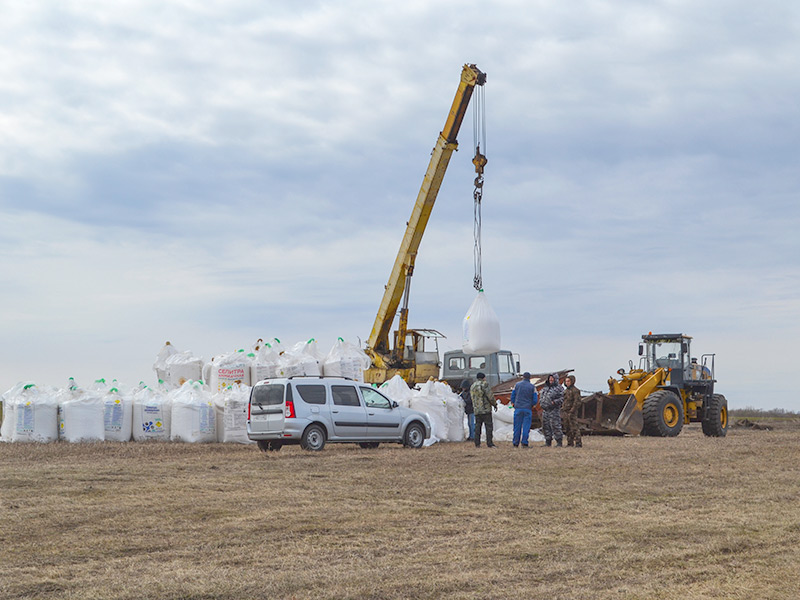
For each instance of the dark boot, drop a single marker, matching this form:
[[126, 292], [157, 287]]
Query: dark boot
[[548, 442], [578, 444], [570, 443], [559, 444]]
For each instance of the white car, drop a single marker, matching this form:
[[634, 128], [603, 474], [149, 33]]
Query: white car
[[312, 411]]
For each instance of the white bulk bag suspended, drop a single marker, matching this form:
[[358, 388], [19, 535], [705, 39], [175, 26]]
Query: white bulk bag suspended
[[193, 418], [481, 327], [151, 415]]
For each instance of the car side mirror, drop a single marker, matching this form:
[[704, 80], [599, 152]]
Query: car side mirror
[[517, 366], [395, 404], [641, 350]]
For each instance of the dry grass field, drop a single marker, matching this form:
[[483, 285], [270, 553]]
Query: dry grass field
[[688, 517]]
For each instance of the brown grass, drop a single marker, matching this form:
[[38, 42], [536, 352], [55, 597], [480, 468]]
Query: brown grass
[[689, 517]]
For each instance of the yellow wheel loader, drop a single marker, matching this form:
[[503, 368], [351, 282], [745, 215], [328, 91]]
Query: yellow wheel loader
[[668, 390]]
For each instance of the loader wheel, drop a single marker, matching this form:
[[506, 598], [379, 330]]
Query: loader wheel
[[663, 414], [715, 416]]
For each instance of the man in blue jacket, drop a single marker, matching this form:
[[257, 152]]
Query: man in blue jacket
[[523, 399]]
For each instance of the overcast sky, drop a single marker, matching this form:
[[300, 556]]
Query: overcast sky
[[211, 173]]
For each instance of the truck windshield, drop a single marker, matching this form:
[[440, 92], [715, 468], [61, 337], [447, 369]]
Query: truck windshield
[[666, 354]]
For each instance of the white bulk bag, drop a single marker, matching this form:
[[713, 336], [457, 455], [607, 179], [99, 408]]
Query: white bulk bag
[[151, 415], [193, 418], [505, 413], [118, 416], [346, 360], [160, 366], [35, 416], [231, 411], [182, 367], [266, 364], [81, 416], [481, 328], [302, 359], [228, 369], [9, 421], [397, 389], [428, 401]]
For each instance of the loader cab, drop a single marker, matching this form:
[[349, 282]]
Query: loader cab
[[671, 352]]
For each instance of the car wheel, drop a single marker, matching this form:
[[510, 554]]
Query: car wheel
[[313, 438], [369, 444], [275, 446], [414, 436], [263, 445]]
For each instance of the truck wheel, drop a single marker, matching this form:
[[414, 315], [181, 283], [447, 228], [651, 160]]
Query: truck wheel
[[414, 436], [313, 438], [715, 416], [663, 414]]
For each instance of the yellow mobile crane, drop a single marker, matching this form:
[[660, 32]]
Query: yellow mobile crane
[[409, 357]]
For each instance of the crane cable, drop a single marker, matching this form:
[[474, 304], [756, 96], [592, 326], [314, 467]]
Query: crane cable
[[479, 137]]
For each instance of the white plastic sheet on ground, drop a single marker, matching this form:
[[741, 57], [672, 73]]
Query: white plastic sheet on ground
[[481, 327], [152, 414], [445, 410], [193, 418], [346, 360]]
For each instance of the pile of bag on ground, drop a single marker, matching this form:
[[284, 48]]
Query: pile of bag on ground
[[190, 413], [264, 360]]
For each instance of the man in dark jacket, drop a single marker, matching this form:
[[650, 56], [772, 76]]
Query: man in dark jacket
[[569, 412], [483, 402], [467, 398], [551, 397], [523, 399]]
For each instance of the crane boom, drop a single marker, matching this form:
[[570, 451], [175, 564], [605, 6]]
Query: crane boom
[[399, 281]]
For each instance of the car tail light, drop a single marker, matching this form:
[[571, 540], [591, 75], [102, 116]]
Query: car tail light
[[248, 411], [289, 410]]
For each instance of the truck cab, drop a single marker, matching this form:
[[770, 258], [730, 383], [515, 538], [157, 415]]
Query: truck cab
[[497, 366]]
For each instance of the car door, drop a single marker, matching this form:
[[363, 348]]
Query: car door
[[383, 421], [267, 409], [348, 415]]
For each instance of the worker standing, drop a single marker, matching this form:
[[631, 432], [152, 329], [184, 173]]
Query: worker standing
[[523, 399], [483, 402], [569, 412], [467, 398], [551, 398]]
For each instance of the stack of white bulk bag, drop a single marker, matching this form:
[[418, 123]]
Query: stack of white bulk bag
[[182, 367], [302, 359], [151, 415], [231, 414], [160, 366], [81, 415], [35, 415], [481, 328], [503, 423], [118, 416], [428, 401], [228, 369], [346, 360], [397, 389], [9, 420], [455, 412], [266, 364], [193, 418]]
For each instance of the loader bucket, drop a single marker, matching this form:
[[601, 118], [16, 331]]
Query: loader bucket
[[600, 412], [630, 419]]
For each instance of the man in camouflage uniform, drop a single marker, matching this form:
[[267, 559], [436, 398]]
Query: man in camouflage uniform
[[551, 397], [569, 412], [482, 403]]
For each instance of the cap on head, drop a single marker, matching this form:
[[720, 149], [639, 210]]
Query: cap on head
[[481, 376], [526, 375]]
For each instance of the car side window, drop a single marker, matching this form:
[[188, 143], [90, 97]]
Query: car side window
[[374, 399], [345, 395], [312, 394]]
